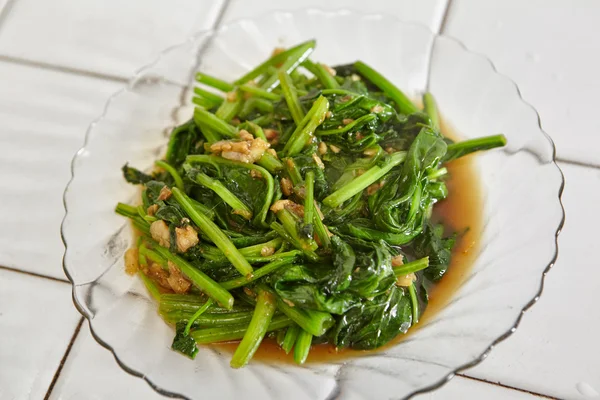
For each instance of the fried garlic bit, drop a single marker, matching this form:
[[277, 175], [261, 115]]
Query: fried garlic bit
[[248, 150], [406, 280], [286, 186], [288, 205], [398, 260], [186, 237], [159, 230], [164, 194], [178, 282], [267, 251]]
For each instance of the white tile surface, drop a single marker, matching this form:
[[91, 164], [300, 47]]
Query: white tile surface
[[37, 320], [550, 48], [555, 350], [428, 12], [44, 116], [110, 36], [92, 373]]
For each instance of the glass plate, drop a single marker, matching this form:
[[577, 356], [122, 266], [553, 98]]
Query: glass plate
[[522, 212]]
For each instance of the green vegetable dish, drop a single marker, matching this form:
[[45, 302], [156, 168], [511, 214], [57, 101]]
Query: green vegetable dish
[[296, 205]]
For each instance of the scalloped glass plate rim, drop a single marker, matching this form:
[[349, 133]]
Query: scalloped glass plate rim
[[210, 32]]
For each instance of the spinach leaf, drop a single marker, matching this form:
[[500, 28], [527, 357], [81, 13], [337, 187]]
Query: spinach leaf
[[374, 323], [431, 243], [185, 344], [135, 176]]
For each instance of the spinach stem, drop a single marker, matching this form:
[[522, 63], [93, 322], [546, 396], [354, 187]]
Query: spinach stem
[[263, 68], [304, 132], [430, 108], [172, 171], [263, 313], [214, 233], [291, 97], [309, 197], [211, 121], [302, 347], [362, 182], [225, 194], [460, 149], [258, 273], [261, 216], [290, 338], [358, 122], [198, 278], [327, 80], [150, 286], [412, 291], [313, 321], [411, 267], [234, 332], [405, 106], [197, 314]]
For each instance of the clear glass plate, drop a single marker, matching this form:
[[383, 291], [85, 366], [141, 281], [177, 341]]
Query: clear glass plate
[[521, 205]]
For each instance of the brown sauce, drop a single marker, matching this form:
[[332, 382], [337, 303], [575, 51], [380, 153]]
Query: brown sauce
[[462, 209]]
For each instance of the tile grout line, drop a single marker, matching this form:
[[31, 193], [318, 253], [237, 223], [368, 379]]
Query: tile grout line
[[63, 69], [543, 396], [19, 271], [64, 358]]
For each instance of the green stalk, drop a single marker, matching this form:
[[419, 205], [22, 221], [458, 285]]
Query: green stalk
[[150, 286], [198, 278], [152, 255], [290, 224], [225, 194], [263, 313], [310, 254], [212, 98], [258, 92], [269, 162], [258, 273], [280, 336], [172, 171], [304, 132], [255, 103], [290, 338], [411, 267], [312, 321], [293, 171], [206, 119], [236, 332], [364, 181], [273, 61], [460, 149], [214, 253], [208, 320], [214, 82], [309, 198], [430, 108], [229, 109], [358, 122], [327, 80], [405, 106], [209, 134], [189, 303], [196, 315], [412, 291], [292, 61], [291, 97], [321, 231], [214, 233], [302, 347], [126, 210], [261, 216]]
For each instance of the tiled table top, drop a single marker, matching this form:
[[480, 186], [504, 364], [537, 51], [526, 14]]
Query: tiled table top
[[60, 60]]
